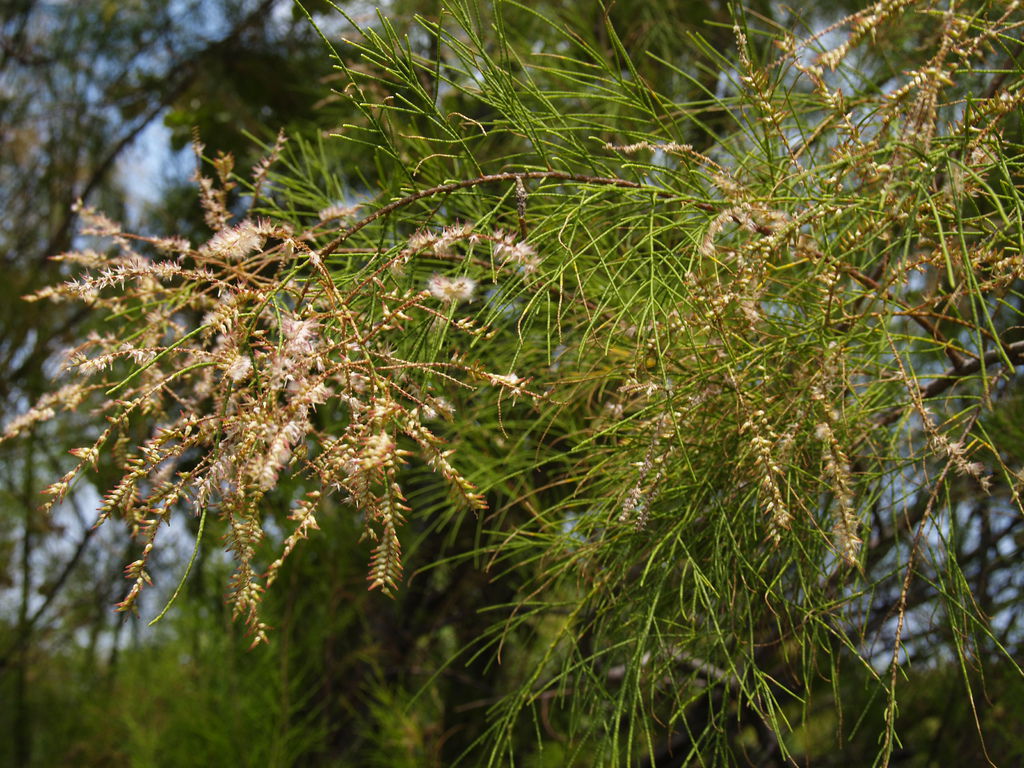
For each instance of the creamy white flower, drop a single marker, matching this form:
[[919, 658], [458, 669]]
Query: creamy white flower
[[235, 243], [421, 239], [449, 289], [337, 211], [239, 369]]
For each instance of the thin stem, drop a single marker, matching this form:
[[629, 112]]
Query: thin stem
[[443, 189]]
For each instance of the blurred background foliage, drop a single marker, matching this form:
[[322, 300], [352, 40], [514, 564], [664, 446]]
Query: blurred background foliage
[[99, 100]]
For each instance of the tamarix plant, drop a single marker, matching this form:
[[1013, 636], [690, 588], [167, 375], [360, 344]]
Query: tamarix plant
[[723, 362]]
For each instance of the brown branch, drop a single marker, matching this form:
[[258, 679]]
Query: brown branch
[[932, 329], [444, 189], [1013, 352]]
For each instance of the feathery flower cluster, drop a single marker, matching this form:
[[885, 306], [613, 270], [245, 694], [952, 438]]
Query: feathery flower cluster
[[846, 527], [451, 290], [630, 149], [237, 242], [637, 505], [507, 250], [763, 441], [337, 211], [441, 244], [240, 387], [739, 214], [956, 452]]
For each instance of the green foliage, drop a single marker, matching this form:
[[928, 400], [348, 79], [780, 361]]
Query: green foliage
[[686, 375]]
